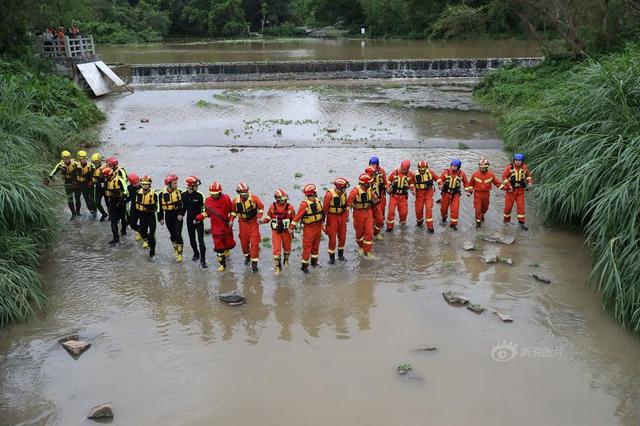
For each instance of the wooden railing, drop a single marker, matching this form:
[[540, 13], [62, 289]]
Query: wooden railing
[[67, 47]]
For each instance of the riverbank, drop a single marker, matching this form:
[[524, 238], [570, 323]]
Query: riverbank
[[579, 124], [40, 115]]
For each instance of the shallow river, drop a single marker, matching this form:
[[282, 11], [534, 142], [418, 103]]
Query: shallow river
[[323, 348], [312, 49]]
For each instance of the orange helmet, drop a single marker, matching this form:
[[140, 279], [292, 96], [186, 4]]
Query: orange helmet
[[192, 180], [134, 179], [215, 188], [364, 178], [341, 183], [370, 170], [112, 162], [405, 164], [242, 187], [146, 180], [107, 171], [170, 178], [280, 194], [423, 164], [309, 189], [484, 163]]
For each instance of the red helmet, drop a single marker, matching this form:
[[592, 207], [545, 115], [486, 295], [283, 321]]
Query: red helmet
[[112, 162], [170, 178], [370, 170], [134, 179], [364, 178], [405, 164], [280, 194], [146, 180], [341, 183], [309, 189], [423, 164], [484, 163], [192, 180], [107, 171], [215, 188], [242, 187]]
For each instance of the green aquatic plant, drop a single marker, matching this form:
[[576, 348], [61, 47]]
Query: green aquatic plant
[[463, 145], [203, 104]]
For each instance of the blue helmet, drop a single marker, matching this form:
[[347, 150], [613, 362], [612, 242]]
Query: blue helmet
[[518, 157], [374, 160], [456, 162]]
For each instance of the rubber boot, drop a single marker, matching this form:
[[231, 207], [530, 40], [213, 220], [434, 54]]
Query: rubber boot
[[254, 265], [277, 265], [341, 255], [222, 261], [137, 236], [103, 217], [314, 262], [369, 256], [285, 261], [247, 259], [419, 223], [332, 258], [431, 231], [523, 226], [114, 231], [152, 251], [175, 249], [196, 256], [203, 263], [179, 257], [123, 231], [444, 219], [478, 224], [145, 244], [454, 227], [305, 268], [226, 253]]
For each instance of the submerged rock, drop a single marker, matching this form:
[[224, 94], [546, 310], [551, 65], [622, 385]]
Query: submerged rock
[[234, 149], [74, 345], [100, 412], [454, 299], [504, 259], [500, 239], [490, 259], [468, 245], [233, 298], [541, 278], [476, 308], [503, 317]]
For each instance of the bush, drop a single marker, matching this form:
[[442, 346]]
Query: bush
[[460, 21], [285, 30]]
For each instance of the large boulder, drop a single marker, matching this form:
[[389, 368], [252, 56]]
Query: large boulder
[[100, 412]]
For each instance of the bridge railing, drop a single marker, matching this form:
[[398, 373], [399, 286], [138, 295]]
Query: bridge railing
[[66, 48]]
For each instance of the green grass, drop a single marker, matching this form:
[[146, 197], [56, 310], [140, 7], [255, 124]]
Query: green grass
[[581, 134], [39, 116]]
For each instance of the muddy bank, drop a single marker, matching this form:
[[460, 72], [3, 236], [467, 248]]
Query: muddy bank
[[319, 70]]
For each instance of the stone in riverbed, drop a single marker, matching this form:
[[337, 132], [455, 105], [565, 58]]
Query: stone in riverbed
[[500, 239], [100, 412], [468, 245], [454, 299], [491, 259], [144, 120], [476, 308], [504, 259], [404, 369], [503, 317], [541, 278], [233, 298], [76, 347]]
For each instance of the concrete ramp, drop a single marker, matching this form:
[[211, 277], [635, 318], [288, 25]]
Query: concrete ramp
[[99, 77]]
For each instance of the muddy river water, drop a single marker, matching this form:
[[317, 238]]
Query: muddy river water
[[322, 348]]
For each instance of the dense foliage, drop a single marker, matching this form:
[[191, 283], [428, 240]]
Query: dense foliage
[[39, 114], [579, 124]]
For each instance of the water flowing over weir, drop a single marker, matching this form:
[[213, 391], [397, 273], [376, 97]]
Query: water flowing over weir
[[319, 70]]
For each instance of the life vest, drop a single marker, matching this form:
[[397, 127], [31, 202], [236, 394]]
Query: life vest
[[379, 183], [68, 170], [84, 172], [246, 209], [313, 212], [146, 202], [424, 181], [114, 188], [400, 184], [121, 172], [282, 219], [364, 199], [96, 176], [452, 184], [338, 203], [170, 201], [518, 177]]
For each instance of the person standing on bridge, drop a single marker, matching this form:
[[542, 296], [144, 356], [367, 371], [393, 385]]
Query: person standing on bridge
[[248, 208], [280, 215], [425, 179], [399, 183], [146, 205], [69, 168], [312, 217], [218, 208], [379, 188], [171, 212], [516, 174], [194, 205], [336, 215], [451, 182], [480, 183]]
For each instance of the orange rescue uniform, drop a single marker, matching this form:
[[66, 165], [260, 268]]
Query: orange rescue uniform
[[361, 201], [519, 177], [399, 185], [480, 183], [452, 184], [248, 212], [424, 196], [280, 216], [335, 211], [311, 215], [379, 188]]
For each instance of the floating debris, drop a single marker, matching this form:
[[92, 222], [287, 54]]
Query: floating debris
[[541, 278], [476, 308], [123, 128], [233, 298], [454, 299], [122, 124], [404, 369], [144, 120], [503, 317], [427, 349], [332, 130], [297, 175], [74, 345], [100, 412]]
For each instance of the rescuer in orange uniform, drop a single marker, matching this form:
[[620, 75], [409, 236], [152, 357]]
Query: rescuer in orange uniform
[[248, 209], [312, 217], [480, 183], [361, 200], [280, 215], [379, 188], [517, 174], [451, 182], [218, 208], [336, 215], [399, 183], [425, 179]]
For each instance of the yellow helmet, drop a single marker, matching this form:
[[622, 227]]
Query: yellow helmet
[[82, 154], [65, 154], [96, 157]]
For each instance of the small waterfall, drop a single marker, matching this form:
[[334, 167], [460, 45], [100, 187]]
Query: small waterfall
[[316, 70]]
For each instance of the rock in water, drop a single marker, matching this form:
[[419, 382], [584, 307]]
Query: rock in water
[[476, 308], [428, 349], [76, 347], [501, 239], [332, 130], [454, 299], [541, 278], [144, 120], [491, 259], [101, 411], [468, 245], [503, 317], [234, 149], [506, 260], [70, 337], [404, 369], [233, 298]]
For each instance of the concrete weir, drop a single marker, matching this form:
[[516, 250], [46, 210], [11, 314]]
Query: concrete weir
[[319, 70]]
